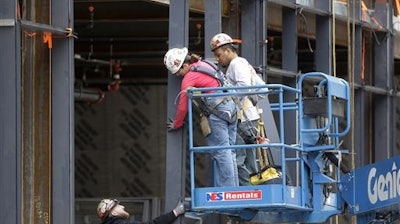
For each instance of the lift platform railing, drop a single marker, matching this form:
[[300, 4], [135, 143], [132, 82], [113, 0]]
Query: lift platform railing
[[300, 198], [332, 100], [244, 200]]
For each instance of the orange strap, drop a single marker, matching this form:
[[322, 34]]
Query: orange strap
[[48, 38]]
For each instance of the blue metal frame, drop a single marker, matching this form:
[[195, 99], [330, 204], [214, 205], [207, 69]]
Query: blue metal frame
[[337, 88], [257, 201], [379, 200]]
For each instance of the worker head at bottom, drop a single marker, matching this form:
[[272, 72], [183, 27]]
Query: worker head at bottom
[[110, 211]]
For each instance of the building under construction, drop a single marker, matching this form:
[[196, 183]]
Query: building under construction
[[85, 95]]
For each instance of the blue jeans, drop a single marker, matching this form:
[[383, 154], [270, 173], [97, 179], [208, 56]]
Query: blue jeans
[[246, 158], [223, 133]]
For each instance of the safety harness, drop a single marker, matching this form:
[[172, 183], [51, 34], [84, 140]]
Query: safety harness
[[216, 73]]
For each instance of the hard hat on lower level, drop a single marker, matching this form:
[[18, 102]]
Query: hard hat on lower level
[[105, 206]]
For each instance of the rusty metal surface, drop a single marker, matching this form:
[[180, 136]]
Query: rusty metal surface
[[36, 119]]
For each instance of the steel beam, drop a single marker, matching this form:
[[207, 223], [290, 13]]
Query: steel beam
[[36, 121], [357, 146], [10, 113], [212, 24], [384, 110], [63, 123], [294, 5], [323, 54], [290, 63], [32, 26], [289, 40], [175, 172], [194, 5], [253, 32]]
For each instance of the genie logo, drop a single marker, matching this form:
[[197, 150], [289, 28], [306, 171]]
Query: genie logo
[[234, 195], [385, 186]]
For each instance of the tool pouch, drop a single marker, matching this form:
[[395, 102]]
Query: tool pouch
[[205, 125]]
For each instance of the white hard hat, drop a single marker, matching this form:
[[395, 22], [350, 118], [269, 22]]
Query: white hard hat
[[105, 206], [174, 59], [220, 40]]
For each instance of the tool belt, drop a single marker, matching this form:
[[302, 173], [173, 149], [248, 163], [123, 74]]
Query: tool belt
[[210, 106]]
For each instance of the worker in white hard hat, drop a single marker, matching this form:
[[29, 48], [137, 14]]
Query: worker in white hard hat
[[222, 119], [240, 72], [110, 211]]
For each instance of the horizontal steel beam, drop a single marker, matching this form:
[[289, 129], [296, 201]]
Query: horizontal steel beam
[[46, 28], [196, 6], [135, 20], [280, 72], [377, 90], [300, 7]]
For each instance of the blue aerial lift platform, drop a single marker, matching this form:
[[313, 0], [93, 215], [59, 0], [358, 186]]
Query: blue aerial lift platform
[[322, 186]]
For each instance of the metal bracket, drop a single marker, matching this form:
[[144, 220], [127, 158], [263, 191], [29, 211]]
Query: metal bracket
[[7, 22]]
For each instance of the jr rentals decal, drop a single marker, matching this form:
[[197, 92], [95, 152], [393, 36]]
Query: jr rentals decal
[[234, 196]]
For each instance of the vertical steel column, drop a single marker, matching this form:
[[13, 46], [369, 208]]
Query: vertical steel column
[[253, 27], [289, 40], [253, 31], [323, 54], [176, 142], [358, 126], [384, 62], [212, 26], [62, 73], [36, 117], [290, 63], [289, 60], [10, 114], [212, 23]]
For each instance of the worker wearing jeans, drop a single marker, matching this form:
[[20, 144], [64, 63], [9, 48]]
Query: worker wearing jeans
[[240, 72], [223, 133], [222, 119]]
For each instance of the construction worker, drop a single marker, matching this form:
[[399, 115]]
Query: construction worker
[[221, 118], [110, 211], [240, 72]]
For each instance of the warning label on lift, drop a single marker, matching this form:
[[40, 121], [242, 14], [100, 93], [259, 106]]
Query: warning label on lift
[[234, 195]]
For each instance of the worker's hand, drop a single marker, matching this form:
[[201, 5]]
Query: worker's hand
[[170, 125], [180, 208]]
